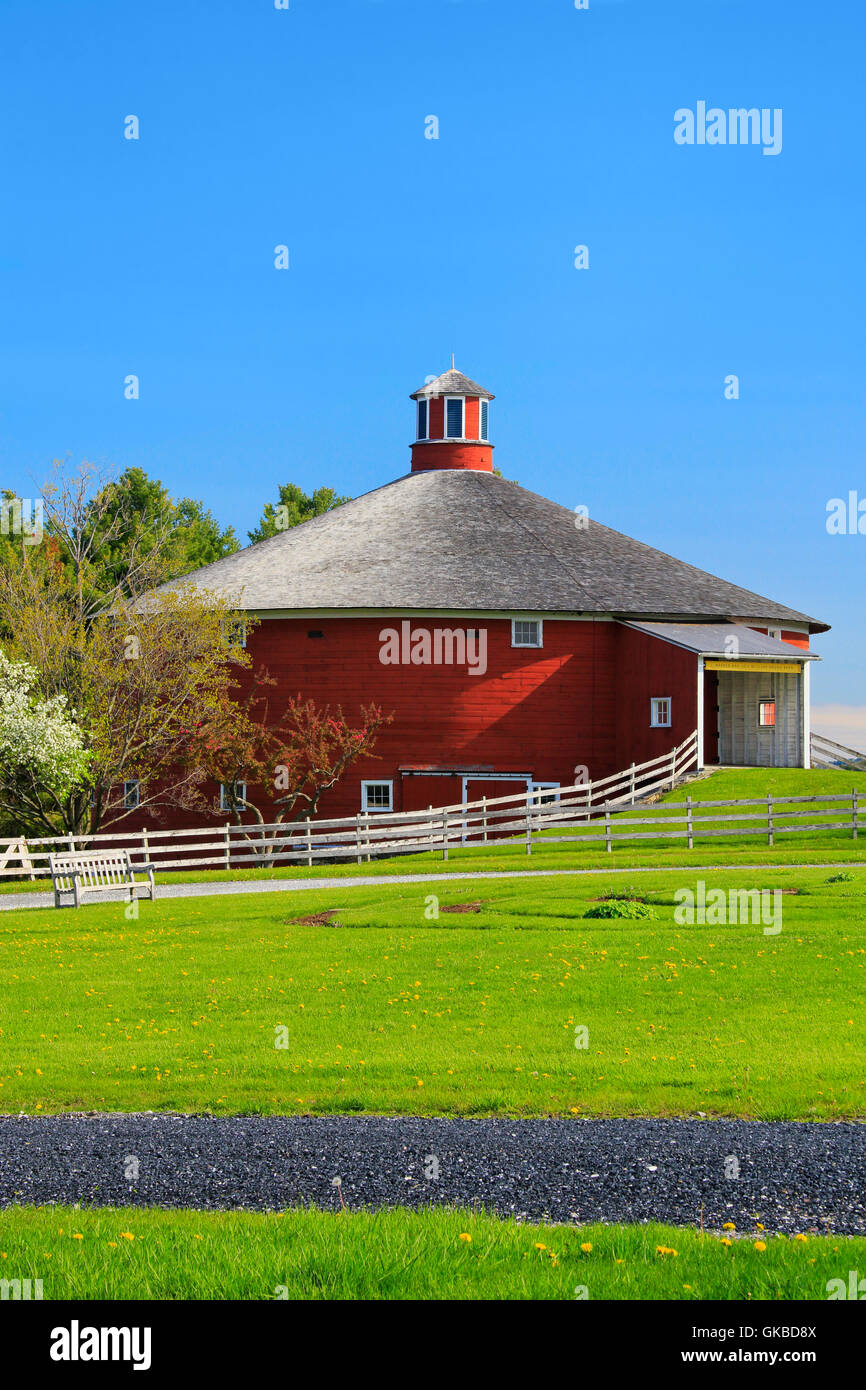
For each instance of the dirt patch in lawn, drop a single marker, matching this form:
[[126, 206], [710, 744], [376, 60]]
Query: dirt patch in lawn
[[316, 919], [464, 907]]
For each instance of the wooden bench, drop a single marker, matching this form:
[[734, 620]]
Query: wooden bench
[[97, 871]]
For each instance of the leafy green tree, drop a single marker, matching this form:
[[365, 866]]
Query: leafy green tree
[[294, 507], [135, 515]]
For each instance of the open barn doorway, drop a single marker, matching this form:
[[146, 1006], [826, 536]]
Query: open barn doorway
[[760, 718]]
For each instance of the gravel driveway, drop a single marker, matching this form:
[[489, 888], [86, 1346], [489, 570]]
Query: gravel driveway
[[790, 1176]]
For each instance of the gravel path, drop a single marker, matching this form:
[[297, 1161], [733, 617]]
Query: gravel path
[[791, 1176], [8, 901]]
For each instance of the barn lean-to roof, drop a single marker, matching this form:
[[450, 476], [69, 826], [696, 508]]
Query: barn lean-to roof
[[454, 540]]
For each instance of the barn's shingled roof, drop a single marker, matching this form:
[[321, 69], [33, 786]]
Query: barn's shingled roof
[[468, 540]]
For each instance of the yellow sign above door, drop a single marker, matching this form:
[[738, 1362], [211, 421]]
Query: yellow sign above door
[[782, 668]]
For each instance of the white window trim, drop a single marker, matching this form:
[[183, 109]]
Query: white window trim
[[128, 783], [767, 700], [655, 722], [425, 401], [377, 782], [224, 804], [462, 434], [536, 646]]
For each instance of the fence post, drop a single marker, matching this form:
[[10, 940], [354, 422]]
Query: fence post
[[529, 826], [228, 846], [309, 843], [145, 846], [632, 784], [484, 820], [673, 768], [689, 821], [430, 814], [769, 820], [854, 809], [607, 830], [358, 836], [445, 833], [588, 800]]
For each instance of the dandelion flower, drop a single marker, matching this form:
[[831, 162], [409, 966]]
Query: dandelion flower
[[464, 1235], [127, 1235], [729, 1226], [725, 1241], [760, 1245], [586, 1247]]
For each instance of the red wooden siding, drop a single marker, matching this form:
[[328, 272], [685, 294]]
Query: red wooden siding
[[796, 639], [437, 417], [647, 667], [538, 711]]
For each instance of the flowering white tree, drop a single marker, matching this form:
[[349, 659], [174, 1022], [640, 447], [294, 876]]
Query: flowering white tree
[[42, 754]]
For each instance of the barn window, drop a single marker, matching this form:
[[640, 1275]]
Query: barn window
[[660, 712], [544, 794], [131, 793], [485, 419], [767, 713], [235, 630], [229, 802], [377, 796], [422, 419], [454, 417], [526, 632]]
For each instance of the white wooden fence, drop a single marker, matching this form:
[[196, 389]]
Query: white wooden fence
[[826, 753], [519, 815]]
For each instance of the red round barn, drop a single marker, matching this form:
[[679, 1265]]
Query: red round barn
[[514, 641]]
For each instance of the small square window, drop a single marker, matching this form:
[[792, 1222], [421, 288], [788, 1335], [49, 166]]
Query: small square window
[[377, 796], [544, 794], [236, 633], [767, 714], [454, 418], [131, 793], [526, 632], [229, 802], [422, 419], [660, 712]]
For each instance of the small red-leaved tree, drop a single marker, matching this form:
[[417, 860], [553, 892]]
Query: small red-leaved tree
[[276, 772]]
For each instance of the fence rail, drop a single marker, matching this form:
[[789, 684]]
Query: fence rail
[[519, 815], [826, 753]]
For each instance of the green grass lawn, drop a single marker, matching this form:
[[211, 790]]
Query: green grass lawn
[[814, 847], [394, 1012], [152, 1254]]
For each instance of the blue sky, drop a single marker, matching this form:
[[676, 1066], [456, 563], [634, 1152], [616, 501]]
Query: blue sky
[[306, 127]]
